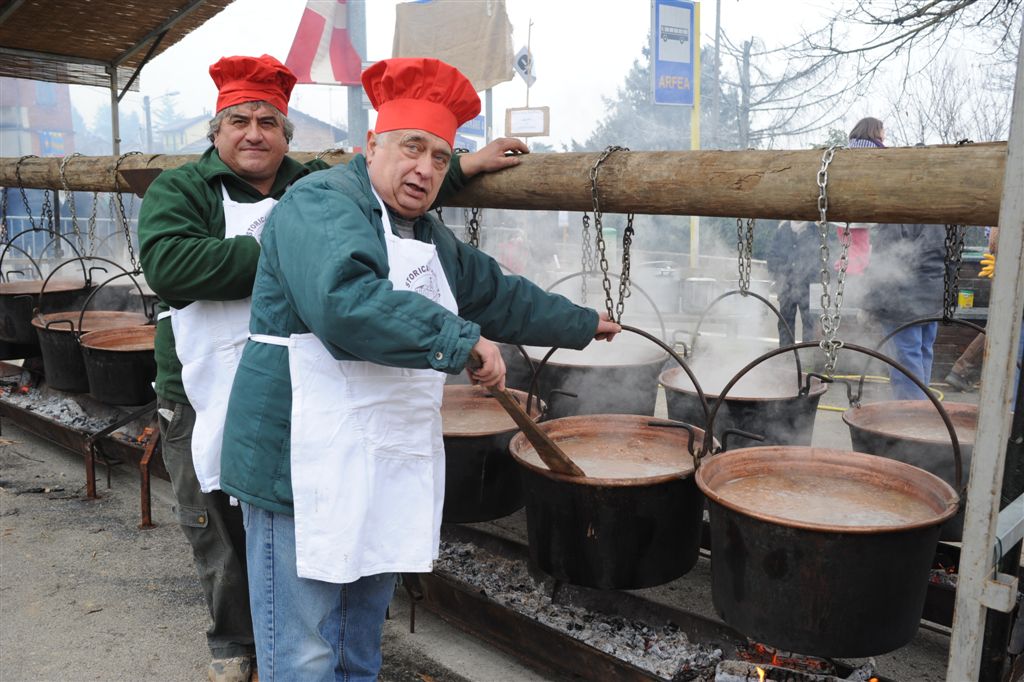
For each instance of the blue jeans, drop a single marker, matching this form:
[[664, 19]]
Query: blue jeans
[[911, 348], [308, 630]]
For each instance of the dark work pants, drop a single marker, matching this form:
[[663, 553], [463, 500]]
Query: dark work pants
[[214, 529], [789, 302]]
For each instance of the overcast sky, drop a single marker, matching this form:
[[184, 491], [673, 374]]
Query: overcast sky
[[582, 51]]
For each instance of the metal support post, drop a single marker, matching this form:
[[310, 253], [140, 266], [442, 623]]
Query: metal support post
[[980, 587]]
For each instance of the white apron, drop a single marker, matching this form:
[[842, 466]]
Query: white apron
[[367, 454], [209, 337]]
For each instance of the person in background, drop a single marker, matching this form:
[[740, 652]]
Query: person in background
[[199, 230], [793, 261], [363, 301], [868, 133], [966, 369]]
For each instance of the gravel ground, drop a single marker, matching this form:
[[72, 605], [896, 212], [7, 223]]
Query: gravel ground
[[86, 595]]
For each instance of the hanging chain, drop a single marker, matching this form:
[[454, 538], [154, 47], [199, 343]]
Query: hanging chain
[[3, 215], [71, 201], [624, 281], [830, 318], [92, 223], [951, 270], [46, 212], [614, 310], [472, 220], [588, 263], [21, 188], [121, 213], [745, 252], [954, 259]]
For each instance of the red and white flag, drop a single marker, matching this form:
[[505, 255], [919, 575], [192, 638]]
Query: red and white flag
[[322, 51]]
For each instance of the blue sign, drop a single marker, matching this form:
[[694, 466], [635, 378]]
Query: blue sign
[[474, 127], [464, 143], [676, 45]]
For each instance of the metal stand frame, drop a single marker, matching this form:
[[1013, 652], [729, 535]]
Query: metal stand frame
[[981, 586]]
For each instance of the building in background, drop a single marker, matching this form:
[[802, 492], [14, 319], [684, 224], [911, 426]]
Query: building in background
[[35, 118]]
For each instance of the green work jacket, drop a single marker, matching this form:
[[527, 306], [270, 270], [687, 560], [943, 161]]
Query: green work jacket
[[324, 269], [182, 249]]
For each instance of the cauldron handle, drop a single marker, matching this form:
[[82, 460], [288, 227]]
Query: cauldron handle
[[55, 238], [855, 399], [957, 459], [529, 362], [30, 260], [689, 373], [85, 274], [737, 432], [88, 300], [554, 392], [689, 443], [735, 292], [632, 286]]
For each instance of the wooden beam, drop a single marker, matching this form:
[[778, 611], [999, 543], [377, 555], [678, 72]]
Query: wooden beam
[[907, 185]]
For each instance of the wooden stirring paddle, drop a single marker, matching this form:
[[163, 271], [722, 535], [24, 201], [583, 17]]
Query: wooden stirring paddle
[[546, 449]]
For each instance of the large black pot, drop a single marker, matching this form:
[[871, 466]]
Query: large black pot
[[819, 551], [769, 402], [58, 341], [634, 521], [481, 480], [120, 364], [603, 378], [912, 431], [18, 300]]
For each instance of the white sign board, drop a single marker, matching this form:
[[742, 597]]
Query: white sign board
[[527, 121]]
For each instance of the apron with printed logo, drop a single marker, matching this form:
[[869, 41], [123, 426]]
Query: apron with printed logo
[[209, 337], [367, 454]]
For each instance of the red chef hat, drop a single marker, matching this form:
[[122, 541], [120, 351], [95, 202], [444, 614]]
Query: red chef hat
[[251, 79], [421, 94]]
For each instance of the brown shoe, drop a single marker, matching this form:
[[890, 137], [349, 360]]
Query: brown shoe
[[237, 669]]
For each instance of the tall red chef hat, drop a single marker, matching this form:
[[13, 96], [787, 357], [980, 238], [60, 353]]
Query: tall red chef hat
[[421, 94], [251, 79]]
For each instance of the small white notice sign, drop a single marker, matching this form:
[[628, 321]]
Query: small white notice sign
[[527, 121]]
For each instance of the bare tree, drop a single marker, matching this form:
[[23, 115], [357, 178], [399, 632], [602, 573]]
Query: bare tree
[[870, 33], [779, 95], [950, 101]]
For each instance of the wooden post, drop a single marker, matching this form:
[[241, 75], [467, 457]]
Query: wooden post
[[933, 185]]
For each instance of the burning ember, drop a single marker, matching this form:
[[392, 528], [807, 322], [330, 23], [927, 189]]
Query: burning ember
[[664, 650], [760, 663], [741, 671], [944, 576], [761, 654]]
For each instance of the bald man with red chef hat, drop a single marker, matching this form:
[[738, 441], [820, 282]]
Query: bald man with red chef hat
[[363, 302]]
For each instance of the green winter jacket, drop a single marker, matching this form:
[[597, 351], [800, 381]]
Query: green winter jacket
[[324, 269], [183, 251]]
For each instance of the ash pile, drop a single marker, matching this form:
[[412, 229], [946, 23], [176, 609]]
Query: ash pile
[[663, 650], [79, 412]]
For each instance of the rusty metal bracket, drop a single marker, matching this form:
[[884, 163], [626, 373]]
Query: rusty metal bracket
[[145, 502], [89, 448]]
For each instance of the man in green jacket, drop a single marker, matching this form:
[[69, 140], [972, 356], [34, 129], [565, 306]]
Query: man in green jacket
[[199, 229], [363, 301]]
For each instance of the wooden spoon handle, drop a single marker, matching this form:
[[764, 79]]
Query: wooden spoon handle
[[549, 453]]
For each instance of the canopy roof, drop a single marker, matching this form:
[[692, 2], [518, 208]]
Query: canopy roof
[[76, 41]]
